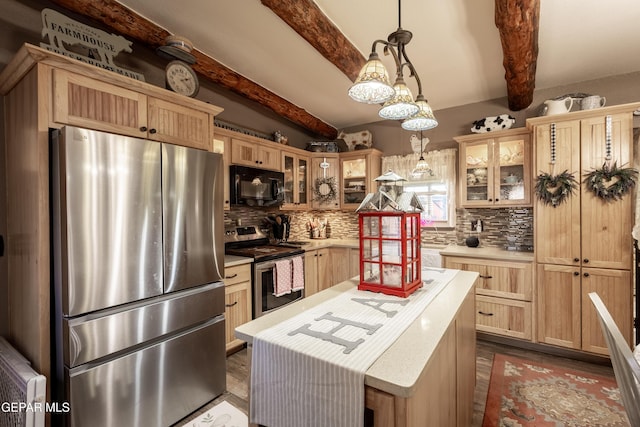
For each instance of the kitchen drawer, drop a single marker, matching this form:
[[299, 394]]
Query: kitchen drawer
[[237, 274], [503, 279], [504, 317]]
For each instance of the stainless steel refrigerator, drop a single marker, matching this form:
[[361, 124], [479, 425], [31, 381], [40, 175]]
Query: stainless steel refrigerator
[[138, 259]]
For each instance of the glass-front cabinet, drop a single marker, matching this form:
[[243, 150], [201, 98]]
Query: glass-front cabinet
[[358, 171], [495, 169], [296, 180]]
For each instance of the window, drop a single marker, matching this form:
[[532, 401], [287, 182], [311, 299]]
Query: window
[[436, 192], [434, 196]]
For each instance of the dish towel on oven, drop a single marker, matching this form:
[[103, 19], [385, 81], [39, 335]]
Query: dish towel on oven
[[298, 274], [282, 279], [309, 369]]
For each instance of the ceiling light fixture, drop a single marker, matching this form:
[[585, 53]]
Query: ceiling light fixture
[[372, 85], [422, 167]]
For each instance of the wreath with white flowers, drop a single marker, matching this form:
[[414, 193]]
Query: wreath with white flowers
[[555, 189], [610, 182], [325, 189]]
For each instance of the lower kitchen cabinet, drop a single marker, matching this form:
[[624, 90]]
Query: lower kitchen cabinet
[[237, 295], [340, 264], [504, 295], [317, 273], [566, 316]]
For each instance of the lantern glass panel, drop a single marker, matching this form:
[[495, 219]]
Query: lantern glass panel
[[392, 251], [410, 273], [371, 250], [371, 272], [410, 227], [412, 250], [371, 226], [392, 275], [391, 226]]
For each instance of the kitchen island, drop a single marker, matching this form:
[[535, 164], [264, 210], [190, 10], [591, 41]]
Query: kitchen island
[[427, 376]]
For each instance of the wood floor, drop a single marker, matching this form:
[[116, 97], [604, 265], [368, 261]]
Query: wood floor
[[238, 373]]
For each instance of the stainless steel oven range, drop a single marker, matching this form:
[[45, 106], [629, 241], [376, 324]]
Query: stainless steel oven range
[[252, 242]]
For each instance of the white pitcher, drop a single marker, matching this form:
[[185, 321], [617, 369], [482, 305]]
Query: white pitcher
[[559, 106]]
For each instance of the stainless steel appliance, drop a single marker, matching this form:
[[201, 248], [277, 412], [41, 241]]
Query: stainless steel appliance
[[256, 187], [252, 242], [138, 265]]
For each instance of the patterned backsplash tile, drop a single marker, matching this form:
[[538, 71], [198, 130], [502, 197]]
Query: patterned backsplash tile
[[497, 225]]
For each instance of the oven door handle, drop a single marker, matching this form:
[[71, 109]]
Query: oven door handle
[[270, 265]]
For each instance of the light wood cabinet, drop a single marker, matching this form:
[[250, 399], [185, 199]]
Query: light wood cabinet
[[495, 169], [504, 289], [358, 170], [83, 101], [237, 295], [222, 145], [252, 152], [340, 264], [317, 271], [354, 262], [325, 167], [295, 167], [584, 244]]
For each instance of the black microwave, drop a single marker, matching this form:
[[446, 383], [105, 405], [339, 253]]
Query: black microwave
[[256, 187]]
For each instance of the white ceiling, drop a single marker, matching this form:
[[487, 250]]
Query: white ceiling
[[455, 48]]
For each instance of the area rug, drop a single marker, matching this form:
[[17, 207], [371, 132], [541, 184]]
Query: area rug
[[526, 393], [223, 414]]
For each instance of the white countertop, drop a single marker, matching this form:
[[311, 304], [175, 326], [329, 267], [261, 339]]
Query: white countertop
[[487, 253], [399, 368], [233, 260]]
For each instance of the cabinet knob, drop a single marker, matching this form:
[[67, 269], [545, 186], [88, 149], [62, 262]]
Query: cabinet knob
[[497, 200], [486, 277], [576, 273], [586, 274], [485, 314], [576, 260], [231, 277], [152, 131], [231, 305], [586, 260], [143, 129]]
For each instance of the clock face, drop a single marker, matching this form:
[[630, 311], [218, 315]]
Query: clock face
[[182, 79]]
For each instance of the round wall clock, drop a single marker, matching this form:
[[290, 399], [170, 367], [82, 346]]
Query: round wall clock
[[181, 78]]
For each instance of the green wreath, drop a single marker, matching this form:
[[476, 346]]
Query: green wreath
[[598, 181], [554, 190], [325, 190]]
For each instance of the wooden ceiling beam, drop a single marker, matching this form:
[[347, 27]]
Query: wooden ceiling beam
[[124, 21], [306, 19], [517, 22]]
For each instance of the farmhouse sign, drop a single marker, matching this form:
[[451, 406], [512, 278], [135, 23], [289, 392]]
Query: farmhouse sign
[[91, 45]]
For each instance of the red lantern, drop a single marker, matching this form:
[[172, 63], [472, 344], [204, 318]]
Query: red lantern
[[390, 260]]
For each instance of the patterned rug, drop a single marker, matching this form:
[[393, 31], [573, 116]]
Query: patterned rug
[[526, 393]]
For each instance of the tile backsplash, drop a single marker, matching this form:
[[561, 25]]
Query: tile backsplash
[[497, 225]]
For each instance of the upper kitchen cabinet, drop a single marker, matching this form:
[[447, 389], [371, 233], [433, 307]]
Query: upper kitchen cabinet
[[495, 169], [222, 145], [255, 152], [358, 171], [83, 101], [295, 167], [325, 174]]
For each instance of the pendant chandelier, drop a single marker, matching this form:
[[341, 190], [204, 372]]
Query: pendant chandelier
[[372, 85]]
